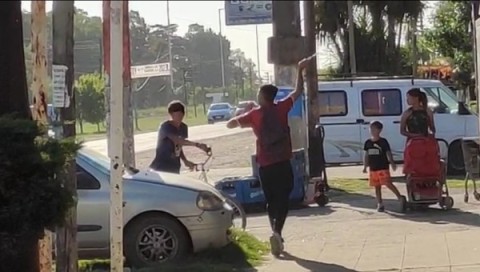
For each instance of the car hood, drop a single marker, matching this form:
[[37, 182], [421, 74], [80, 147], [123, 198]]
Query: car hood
[[169, 179]]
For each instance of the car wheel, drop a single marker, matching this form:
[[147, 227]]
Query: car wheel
[[456, 164], [154, 240]]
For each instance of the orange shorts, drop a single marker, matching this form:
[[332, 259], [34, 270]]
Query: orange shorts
[[379, 178]]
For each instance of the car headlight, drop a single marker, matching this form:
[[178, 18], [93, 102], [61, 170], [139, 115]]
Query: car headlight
[[208, 201]]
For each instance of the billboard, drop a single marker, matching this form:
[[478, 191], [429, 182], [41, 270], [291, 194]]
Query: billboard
[[247, 12]]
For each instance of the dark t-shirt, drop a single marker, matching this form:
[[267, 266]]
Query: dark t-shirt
[[167, 155], [377, 154]]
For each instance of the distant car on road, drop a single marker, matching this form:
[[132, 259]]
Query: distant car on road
[[220, 112], [242, 105], [165, 215]]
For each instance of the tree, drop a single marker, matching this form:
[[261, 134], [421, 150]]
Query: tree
[[377, 41], [451, 37], [90, 105]]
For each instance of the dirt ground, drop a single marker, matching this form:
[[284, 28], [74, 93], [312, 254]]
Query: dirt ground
[[233, 151]]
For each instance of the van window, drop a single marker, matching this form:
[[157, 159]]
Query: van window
[[438, 96], [381, 102], [333, 103]]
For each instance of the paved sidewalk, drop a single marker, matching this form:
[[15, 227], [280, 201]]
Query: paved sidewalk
[[352, 236], [349, 235]]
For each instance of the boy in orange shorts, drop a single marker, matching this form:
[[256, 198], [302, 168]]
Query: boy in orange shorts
[[378, 158]]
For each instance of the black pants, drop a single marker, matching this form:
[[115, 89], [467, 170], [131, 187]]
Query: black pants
[[277, 184]]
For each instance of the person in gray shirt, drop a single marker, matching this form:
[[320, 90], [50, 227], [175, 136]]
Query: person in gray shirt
[[172, 135]]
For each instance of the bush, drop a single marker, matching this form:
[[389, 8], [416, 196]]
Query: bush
[[32, 196]]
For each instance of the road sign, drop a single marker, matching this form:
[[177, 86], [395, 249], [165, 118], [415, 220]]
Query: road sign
[[151, 70], [248, 12]]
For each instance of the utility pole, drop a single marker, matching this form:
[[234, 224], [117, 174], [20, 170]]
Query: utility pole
[[115, 151], [314, 148], [285, 50], [128, 130], [63, 57], [351, 39], [222, 53], [39, 94], [258, 53], [169, 37]]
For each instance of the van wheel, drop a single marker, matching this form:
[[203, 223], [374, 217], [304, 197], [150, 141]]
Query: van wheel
[[456, 165]]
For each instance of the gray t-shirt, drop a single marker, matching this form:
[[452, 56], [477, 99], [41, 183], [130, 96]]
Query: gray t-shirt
[[167, 155]]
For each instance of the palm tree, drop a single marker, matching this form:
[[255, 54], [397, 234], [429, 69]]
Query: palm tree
[[375, 31]]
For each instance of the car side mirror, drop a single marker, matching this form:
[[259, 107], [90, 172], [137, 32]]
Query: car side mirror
[[462, 109]]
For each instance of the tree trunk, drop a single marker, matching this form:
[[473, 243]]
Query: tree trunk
[[80, 124], [13, 82], [19, 252]]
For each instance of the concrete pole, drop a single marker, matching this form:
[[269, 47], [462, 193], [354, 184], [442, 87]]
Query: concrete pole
[[116, 136], [351, 39], [222, 53], [62, 25], [313, 162], [286, 48], [39, 94]]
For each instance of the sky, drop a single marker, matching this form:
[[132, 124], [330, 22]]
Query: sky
[[184, 13]]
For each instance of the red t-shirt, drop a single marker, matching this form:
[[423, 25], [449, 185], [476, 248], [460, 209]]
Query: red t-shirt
[[253, 119]]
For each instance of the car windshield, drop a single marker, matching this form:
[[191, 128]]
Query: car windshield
[[219, 107], [95, 158], [442, 95]]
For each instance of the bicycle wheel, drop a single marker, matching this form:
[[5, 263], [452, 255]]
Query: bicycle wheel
[[239, 215]]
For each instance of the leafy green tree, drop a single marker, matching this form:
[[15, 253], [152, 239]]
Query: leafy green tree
[[377, 41], [90, 99], [451, 37]]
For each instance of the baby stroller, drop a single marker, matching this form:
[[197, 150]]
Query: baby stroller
[[425, 169]]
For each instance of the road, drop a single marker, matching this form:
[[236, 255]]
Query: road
[[148, 141]]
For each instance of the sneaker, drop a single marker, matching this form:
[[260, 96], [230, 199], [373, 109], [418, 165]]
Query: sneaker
[[380, 208], [276, 244]]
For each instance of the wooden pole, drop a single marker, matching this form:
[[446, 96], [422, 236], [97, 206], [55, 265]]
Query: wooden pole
[[62, 23], [39, 93], [116, 136]]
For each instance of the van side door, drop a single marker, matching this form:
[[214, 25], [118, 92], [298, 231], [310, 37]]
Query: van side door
[[384, 105], [338, 116]]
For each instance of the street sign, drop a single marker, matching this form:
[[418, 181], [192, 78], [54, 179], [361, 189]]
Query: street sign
[[151, 70], [248, 12]]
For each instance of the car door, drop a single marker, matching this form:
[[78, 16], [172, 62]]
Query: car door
[[384, 105], [92, 208], [338, 116]]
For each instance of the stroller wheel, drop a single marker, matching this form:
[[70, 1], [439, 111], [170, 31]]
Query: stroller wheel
[[447, 202], [465, 198], [322, 200], [477, 196]]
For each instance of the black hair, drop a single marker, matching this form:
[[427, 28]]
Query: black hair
[[421, 96], [377, 124], [175, 106], [269, 92]]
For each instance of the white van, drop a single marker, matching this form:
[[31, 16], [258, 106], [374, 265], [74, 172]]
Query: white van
[[348, 106]]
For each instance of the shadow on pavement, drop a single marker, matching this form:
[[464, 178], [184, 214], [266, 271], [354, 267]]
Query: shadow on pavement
[[433, 214], [314, 265]]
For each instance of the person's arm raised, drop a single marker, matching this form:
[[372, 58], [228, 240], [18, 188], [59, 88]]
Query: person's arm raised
[[299, 85]]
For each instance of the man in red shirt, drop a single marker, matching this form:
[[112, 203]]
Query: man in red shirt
[[269, 123]]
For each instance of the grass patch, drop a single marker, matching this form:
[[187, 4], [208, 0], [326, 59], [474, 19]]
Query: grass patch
[[148, 121], [245, 251], [346, 185]]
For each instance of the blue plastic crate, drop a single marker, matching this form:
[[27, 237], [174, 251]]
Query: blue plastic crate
[[298, 191], [252, 191], [232, 187]]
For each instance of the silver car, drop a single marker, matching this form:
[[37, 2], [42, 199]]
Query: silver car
[[220, 112], [165, 215]]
